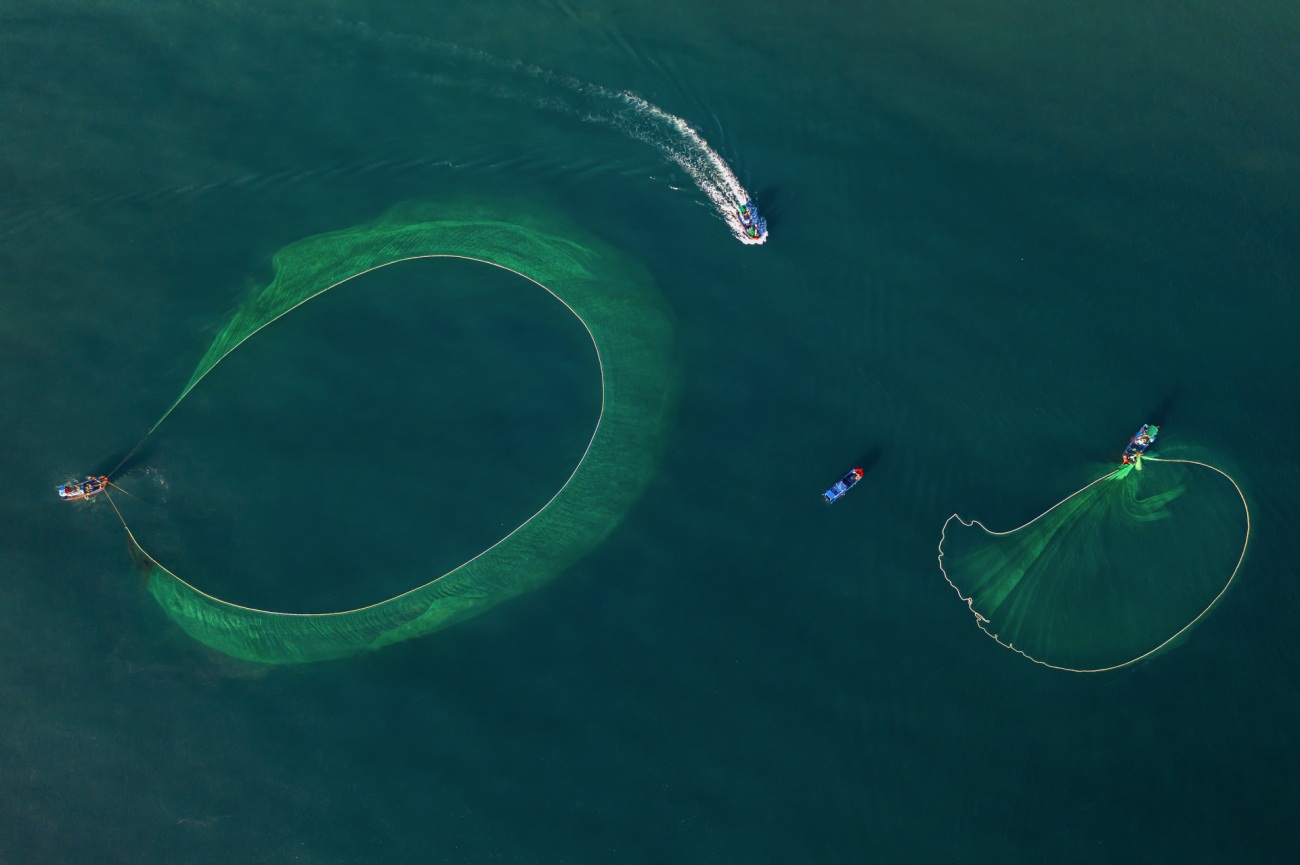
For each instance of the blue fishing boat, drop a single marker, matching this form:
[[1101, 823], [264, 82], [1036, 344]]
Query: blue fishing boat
[[843, 485]]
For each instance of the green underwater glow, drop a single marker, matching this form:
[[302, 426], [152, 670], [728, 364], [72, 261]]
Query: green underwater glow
[[629, 325], [1111, 574]]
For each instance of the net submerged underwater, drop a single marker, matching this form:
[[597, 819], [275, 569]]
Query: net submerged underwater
[[1112, 574], [629, 325]]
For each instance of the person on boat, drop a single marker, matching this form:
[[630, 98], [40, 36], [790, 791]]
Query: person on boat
[[83, 489], [1138, 445]]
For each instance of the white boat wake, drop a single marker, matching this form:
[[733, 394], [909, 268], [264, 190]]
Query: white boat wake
[[631, 114]]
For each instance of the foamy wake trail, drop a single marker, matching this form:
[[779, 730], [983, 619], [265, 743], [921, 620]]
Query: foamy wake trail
[[675, 138], [669, 134], [513, 80], [672, 136], [692, 152]]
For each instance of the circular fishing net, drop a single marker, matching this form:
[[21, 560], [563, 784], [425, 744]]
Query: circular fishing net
[[629, 325], [1111, 574]]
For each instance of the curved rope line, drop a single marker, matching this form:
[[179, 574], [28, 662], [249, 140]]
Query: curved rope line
[[982, 621], [478, 555]]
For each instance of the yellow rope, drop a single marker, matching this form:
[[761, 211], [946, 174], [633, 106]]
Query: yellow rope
[[116, 487]]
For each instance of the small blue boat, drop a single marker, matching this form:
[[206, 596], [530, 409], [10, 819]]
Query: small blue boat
[[843, 485], [1139, 443], [753, 228]]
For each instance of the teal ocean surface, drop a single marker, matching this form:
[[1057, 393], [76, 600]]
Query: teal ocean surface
[[1003, 235]]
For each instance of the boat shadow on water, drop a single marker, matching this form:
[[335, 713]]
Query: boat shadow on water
[[868, 460], [767, 201], [1166, 406]]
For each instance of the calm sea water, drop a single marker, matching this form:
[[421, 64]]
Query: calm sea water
[[1003, 234]]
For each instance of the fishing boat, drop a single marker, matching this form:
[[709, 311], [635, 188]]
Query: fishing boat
[[84, 489], [1139, 443], [843, 485], [752, 227]]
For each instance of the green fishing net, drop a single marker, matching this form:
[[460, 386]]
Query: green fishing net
[[629, 324], [1111, 574]]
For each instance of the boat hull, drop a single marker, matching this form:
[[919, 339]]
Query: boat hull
[[842, 486], [85, 489]]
